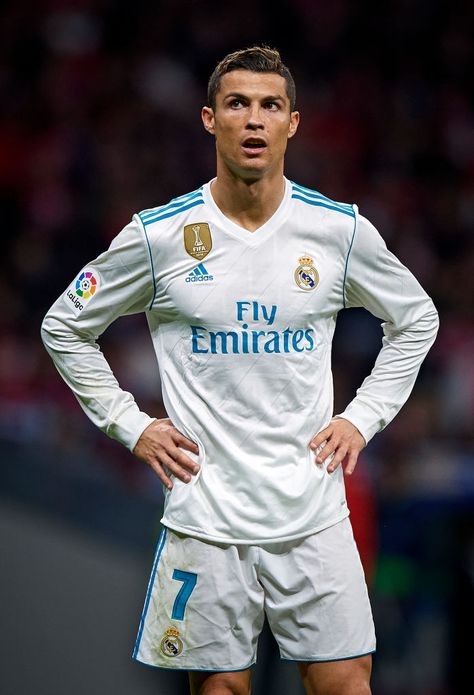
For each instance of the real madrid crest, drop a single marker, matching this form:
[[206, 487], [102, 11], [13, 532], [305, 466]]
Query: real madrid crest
[[197, 240], [306, 275], [171, 645]]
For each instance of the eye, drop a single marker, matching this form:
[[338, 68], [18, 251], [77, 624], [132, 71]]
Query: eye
[[272, 106], [235, 104]]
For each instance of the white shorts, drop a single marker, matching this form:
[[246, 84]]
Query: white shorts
[[205, 605]]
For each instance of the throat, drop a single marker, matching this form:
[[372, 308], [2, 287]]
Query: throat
[[248, 206]]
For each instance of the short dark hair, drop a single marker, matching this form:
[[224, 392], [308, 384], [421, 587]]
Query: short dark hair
[[255, 59]]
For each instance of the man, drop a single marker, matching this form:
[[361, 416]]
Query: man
[[241, 281]]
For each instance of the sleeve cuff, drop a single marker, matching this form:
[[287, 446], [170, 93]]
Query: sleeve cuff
[[129, 427], [363, 420]]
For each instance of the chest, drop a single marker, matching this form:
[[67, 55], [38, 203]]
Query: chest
[[294, 274]]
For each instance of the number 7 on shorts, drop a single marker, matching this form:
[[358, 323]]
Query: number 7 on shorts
[[189, 580]]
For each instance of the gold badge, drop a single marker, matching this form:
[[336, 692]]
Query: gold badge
[[197, 240], [171, 645], [306, 275]]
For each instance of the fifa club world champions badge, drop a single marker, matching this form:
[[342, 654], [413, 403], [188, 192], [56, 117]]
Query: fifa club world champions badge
[[197, 240], [306, 275], [171, 645]]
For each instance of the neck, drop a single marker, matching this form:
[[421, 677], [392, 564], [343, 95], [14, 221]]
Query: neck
[[248, 203]]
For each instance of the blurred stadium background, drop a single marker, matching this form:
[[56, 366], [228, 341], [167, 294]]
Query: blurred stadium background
[[100, 118]]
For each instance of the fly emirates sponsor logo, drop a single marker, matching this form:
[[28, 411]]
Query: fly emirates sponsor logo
[[245, 340]]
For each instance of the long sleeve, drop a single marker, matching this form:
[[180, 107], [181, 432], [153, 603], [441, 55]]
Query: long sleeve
[[377, 281], [118, 282]]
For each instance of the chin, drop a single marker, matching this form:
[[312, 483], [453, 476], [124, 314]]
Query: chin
[[254, 166], [248, 169], [252, 173]]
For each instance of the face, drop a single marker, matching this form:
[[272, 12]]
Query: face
[[252, 123]]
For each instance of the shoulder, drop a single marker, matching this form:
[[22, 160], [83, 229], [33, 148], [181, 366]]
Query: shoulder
[[173, 208], [314, 200]]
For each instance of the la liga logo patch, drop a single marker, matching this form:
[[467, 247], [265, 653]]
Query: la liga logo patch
[[86, 285], [82, 290]]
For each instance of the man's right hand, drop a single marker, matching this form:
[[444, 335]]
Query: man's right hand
[[160, 446]]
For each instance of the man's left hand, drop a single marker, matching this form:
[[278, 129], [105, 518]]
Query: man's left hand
[[341, 439]]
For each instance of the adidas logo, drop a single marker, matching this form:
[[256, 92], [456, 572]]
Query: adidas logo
[[199, 274]]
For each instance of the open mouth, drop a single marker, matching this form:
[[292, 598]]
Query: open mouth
[[254, 145]]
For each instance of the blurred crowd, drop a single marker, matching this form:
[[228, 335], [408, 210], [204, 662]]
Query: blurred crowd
[[100, 119]]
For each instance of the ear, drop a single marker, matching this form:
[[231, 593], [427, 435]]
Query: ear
[[294, 122], [208, 120]]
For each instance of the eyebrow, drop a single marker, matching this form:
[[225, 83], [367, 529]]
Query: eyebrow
[[237, 95]]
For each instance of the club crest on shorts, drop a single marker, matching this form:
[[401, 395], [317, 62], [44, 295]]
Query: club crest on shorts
[[306, 275], [171, 645], [197, 240]]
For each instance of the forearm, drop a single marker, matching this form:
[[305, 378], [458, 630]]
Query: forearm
[[86, 371], [391, 381]]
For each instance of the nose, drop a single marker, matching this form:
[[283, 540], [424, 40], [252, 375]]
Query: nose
[[255, 119]]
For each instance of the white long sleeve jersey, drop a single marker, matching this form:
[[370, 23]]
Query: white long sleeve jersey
[[242, 325]]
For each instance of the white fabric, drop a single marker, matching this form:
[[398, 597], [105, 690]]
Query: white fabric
[[244, 352], [312, 590]]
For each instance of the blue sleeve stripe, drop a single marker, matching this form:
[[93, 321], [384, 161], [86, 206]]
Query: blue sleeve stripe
[[159, 550], [180, 198], [323, 204], [186, 195], [158, 211], [315, 194], [347, 262], [160, 216]]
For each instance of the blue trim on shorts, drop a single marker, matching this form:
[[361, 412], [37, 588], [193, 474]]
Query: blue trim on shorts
[[327, 661], [195, 670], [159, 550]]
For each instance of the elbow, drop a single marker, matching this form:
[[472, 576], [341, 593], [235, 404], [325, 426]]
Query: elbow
[[433, 318], [429, 323], [423, 324], [51, 331], [45, 332]]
